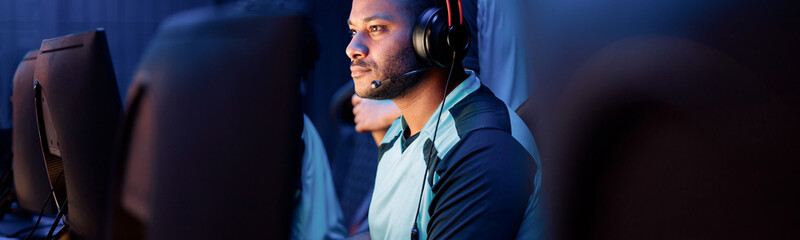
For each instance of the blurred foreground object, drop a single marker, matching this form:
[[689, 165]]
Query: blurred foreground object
[[212, 134], [668, 120]]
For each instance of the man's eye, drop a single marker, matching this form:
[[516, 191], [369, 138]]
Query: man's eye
[[352, 33], [376, 28]]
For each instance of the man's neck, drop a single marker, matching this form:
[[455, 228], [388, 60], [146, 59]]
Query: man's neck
[[420, 102]]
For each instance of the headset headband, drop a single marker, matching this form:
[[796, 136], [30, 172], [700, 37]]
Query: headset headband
[[454, 17]]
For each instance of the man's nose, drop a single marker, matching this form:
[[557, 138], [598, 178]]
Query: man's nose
[[356, 49]]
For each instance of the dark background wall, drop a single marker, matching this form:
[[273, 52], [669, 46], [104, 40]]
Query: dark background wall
[[130, 24], [332, 69]]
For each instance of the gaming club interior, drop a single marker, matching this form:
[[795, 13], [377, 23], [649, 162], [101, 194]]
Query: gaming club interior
[[399, 119]]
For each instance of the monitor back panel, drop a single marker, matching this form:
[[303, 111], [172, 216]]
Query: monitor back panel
[[30, 175], [80, 109]]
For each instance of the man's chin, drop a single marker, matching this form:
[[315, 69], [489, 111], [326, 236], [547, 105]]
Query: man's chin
[[370, 94], [362, 87]]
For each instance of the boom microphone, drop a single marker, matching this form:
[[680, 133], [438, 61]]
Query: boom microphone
[[375, 84]]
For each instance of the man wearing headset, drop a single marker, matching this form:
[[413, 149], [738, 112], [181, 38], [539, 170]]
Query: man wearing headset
[[458, 163]]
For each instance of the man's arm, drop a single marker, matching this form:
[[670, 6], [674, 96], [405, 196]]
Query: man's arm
[[483, 190]]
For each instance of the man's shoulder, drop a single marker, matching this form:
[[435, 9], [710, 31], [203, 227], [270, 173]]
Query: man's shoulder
[[488, 171], [480, 109], [488, 142], [484, 152]]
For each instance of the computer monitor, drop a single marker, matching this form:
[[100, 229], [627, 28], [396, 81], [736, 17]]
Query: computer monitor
[[77, 111], [30, 176], [213, 147]]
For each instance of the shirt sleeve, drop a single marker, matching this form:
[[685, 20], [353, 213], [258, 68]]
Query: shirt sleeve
[[317, 215], [483, 189]]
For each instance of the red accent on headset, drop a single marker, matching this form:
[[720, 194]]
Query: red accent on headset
[[449, 19], [450, 14], [460, 14]]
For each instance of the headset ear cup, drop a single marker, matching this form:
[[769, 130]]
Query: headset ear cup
[[458, 38], [434, 42], [424, 37]]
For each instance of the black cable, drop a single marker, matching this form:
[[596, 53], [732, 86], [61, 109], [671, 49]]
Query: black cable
[[7, 179], [414, 229], [7, 187], [41, 212], [55, 223]]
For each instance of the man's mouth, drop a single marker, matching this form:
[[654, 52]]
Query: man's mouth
[[358, 71]]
